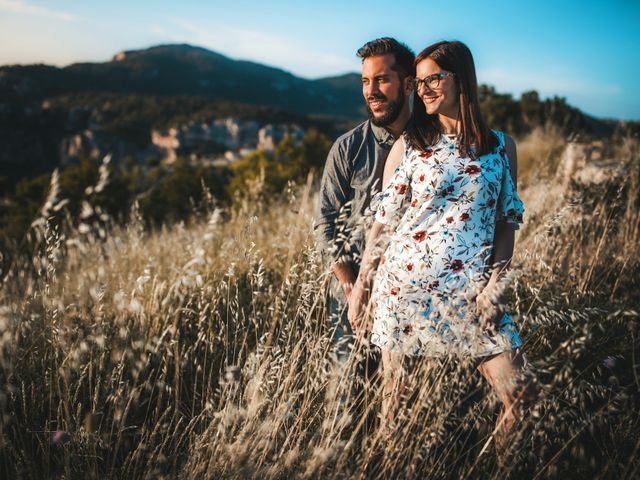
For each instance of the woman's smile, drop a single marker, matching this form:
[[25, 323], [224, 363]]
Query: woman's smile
[[429, 99], [432, 102]]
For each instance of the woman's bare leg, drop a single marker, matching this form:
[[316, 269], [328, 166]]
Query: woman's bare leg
[[504, 372], [393, 387]]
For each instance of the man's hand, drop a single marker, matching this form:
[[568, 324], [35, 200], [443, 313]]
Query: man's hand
[[346, 277], [347, 288], [357, 306], [489, 307]]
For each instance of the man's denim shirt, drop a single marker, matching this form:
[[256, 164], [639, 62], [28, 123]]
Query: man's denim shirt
[[352, 175]]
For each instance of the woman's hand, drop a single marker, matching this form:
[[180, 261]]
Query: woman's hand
[[489, 307], [357, 305]]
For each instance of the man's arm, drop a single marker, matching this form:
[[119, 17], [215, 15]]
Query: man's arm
[[335, 192]]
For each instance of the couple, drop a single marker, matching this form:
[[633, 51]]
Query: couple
[[441, 187]]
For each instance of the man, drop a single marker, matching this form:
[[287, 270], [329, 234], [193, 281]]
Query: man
[[353, 172]]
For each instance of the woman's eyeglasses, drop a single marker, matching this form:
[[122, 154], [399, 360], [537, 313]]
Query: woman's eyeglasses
[[432, 81]]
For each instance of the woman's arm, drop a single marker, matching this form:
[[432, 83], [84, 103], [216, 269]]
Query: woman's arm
[[360, 292], [489, 301]]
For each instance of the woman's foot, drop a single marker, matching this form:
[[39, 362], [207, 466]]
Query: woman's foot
[[503, 437]]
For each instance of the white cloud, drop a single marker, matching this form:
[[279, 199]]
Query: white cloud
[[19, 6], [256, 46]]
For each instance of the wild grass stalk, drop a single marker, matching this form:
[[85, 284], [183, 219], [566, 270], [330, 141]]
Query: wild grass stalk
[[204, 350]]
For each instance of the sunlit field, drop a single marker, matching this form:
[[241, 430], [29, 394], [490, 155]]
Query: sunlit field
[[203, 350]]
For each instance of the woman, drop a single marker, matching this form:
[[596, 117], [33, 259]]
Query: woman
[[450, 206]]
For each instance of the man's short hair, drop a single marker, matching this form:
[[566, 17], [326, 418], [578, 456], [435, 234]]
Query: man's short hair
[[382, 46]]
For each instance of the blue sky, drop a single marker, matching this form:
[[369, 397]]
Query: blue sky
[[586, 51]]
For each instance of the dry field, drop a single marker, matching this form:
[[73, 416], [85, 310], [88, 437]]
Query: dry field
[[202, 350]]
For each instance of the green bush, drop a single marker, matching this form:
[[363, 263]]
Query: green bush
[[288, 162]]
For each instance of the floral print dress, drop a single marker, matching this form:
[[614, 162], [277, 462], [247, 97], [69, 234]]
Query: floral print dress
[[441, 210]]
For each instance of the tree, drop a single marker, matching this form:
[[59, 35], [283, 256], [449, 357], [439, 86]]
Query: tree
[[501, 111], [532, 109]]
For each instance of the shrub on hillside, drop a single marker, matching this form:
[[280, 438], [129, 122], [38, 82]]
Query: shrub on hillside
[[288, 162]]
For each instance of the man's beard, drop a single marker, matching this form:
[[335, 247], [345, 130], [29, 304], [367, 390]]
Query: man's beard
[[392, 113]]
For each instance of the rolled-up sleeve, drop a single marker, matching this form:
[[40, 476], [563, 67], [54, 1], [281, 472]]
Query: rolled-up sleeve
[[335, 195]]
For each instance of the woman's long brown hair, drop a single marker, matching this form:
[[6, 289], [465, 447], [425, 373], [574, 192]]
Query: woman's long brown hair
[[425, 130]]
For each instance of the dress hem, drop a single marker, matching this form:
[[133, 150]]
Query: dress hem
[[442, 355]]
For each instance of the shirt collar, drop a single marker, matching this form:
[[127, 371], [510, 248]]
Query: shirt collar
[[382, 135]]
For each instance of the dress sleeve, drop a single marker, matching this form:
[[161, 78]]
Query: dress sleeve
[[510, 208], [390, 203]]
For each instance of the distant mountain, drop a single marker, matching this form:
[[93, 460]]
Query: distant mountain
[[43, 108], [188, 70]]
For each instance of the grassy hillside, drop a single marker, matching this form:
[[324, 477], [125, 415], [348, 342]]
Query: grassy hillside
[[201, 350]]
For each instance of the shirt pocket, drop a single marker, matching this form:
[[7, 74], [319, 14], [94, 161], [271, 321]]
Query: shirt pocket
[[362, 173], [362, 182]]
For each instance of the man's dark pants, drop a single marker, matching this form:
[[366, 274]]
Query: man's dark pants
[[364, 370]]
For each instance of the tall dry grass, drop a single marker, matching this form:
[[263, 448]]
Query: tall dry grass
[[204, 350]]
